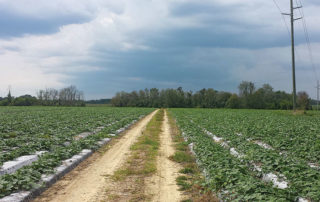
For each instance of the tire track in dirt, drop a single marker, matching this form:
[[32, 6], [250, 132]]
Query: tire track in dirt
[[88, 184], [163, 185]]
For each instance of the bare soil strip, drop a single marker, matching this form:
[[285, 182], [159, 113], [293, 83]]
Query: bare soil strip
[[128, 183], [87, 182], [144, 177], [163, 185]]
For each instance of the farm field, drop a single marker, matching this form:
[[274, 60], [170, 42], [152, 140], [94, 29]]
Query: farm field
[[54, 134], [253, 155], [245, 155]]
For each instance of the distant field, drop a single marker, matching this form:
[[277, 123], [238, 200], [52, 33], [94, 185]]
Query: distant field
[[253, 155], [61, 132], [245, 155]]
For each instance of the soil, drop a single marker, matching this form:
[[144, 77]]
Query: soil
[[163, 185]]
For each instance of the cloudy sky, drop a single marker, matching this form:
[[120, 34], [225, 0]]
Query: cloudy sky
[[105, 46]]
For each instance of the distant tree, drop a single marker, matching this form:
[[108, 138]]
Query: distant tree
[[268, 96], [100, 101], [9, 97], [285, 105], [7, 101], [210, 98], [4, 102], [162, 98], [267, 88], [116, 100], [133, 99], [142, 99], [154, 97], [256, 100], [181, 97], [147, 98], [222, 98], [234, 102], [202, 96], [172, 98], [188, 99], [197, 99], [249, 97], [246, 88], [303, 100], [69, 96], [25, 100]]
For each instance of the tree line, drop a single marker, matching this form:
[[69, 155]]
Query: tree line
[[247, 97], [69, 96], [100, 101]]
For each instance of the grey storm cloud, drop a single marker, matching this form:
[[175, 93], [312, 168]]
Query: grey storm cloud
[[105, 47], [13, 25]]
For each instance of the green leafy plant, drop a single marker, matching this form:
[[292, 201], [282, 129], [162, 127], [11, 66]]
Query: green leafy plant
[[293, 144], [24, 131]]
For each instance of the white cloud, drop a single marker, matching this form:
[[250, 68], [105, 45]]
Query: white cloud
[[24, 78], [35, 61]]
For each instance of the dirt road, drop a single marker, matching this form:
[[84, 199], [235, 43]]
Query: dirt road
[[163, 185], [88, 183]]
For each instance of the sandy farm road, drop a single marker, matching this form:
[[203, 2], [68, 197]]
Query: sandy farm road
[[88, 181], [163, 185]]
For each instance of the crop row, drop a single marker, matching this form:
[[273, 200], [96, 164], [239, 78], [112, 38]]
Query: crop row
[[250, 151], [56, 131], [25, 131]]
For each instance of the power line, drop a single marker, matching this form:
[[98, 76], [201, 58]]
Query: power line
[[283, 18], [306, 33], [286, 25], [292, 20], [318, 88], [307, 38]]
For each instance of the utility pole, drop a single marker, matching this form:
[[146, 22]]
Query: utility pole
[[318, 88], [292, 19]]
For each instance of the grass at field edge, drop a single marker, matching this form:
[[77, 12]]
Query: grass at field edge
[[192, 181]]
